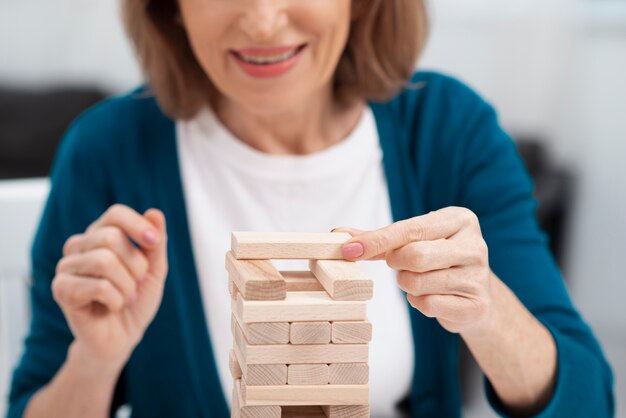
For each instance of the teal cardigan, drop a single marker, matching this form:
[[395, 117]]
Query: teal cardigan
[[442, 146]]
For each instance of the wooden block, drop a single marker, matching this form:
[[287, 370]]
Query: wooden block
[[258, 374], [346, 411], [248, 354], [233, 365], [304, 354], [240, 410], [303, 412], [258, 333], [343, 280], [307, 374], [232, 289], [288, 245], [351, 332], [256, 279], [301, 281], [306, 395], [310, 333], [348, 373], [299, 306]]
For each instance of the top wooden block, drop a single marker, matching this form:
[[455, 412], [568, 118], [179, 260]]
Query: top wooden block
[[288, 245]]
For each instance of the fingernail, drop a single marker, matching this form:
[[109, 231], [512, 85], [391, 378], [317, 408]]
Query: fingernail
[[353, 250], [133, 298], [151, 236]]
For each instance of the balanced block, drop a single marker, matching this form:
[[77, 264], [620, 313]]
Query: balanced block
[[240, 410], [307, 374], [305, 395], [257, 374], [256, 279], [348, 373], [301, 281], [302, 354], [343, 280], [299, 306], [258, 333], [288, 245], [310, 333], [346, 411], [351, 332]]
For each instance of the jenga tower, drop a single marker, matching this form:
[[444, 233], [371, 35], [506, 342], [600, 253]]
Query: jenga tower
[[300, 337]]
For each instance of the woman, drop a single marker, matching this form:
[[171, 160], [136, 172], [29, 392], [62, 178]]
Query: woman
[[275, 115]]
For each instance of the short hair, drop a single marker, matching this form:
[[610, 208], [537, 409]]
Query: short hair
[[385, 40]]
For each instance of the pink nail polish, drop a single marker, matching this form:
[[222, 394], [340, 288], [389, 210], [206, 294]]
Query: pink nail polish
[[150, 236], [353, 250]]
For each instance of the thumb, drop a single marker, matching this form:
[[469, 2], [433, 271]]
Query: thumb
[[157, 255]]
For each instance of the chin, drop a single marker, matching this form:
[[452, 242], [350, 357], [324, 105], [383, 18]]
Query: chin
[[272, 103]]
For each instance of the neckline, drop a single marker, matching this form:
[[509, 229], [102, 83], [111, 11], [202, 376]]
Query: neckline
[[207, 133]]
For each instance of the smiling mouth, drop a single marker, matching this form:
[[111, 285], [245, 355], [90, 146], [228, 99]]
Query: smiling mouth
[[259, 58]]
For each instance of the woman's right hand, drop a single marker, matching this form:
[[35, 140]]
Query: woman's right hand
[[110, 289]]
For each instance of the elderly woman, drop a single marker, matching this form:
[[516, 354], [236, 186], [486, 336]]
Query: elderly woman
[[302, 116]]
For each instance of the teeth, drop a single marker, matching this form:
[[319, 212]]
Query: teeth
[[269, 60]]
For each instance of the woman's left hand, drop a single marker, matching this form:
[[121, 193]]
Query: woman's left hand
[[442, 262]]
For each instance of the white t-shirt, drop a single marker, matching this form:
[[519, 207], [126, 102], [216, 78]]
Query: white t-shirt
[[230, 186]]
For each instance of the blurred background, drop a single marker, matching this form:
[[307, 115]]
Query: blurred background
[[556, 72]]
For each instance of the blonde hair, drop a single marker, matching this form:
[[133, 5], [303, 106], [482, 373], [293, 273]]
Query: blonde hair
[[386, 38]]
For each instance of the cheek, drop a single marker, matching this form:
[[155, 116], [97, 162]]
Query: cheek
[[328, 22], [207, 25]]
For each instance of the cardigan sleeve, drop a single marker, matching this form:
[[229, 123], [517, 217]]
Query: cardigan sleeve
[[78, 195], [497, 187]]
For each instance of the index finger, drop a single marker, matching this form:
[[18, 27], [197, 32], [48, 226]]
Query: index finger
[[439, 224], [133, 224]]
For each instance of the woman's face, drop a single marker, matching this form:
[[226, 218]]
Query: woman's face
[[268, 55]]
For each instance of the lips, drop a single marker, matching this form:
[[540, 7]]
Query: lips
[[265, 56], [268, 62]]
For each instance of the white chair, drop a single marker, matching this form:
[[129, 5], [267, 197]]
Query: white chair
[[21, 204]]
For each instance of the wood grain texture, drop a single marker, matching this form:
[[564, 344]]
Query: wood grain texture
[[307, 374], [258, 374], [288, 245], [346, 411], [349, 373], [305, 354], [240, 410], [310, 333], [301, 281], [343, 280], [256, 279], [306, 395], [258, 333], [232, 289], [249, 355], [351, 332], [300, 306]]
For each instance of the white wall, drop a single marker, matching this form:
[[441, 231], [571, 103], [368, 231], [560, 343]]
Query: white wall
[[70, 41], [21, 203]]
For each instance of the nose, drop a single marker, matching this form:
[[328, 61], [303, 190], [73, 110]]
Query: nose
[[263, 19]]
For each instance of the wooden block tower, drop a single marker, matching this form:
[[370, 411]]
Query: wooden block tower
[[300, 337]]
